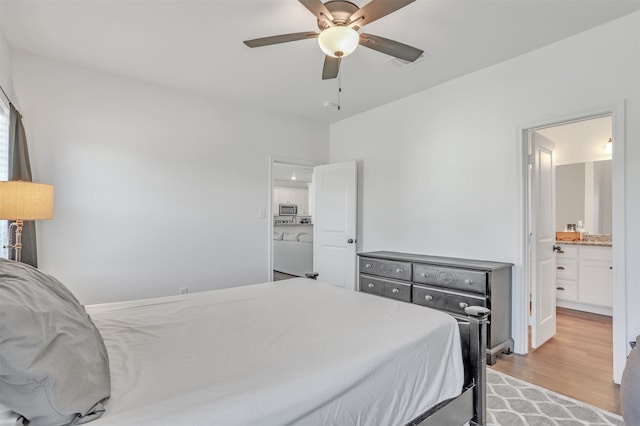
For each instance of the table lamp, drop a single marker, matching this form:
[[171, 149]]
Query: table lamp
[[20, 201]]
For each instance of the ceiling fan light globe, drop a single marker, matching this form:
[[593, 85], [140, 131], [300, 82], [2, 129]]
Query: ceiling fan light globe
[[338, 41]]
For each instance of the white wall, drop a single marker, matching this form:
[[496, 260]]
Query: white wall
[[440, 168], [155, 189], [5, 64]]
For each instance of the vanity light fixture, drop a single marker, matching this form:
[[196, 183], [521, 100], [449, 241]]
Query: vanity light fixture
[[608, 147]]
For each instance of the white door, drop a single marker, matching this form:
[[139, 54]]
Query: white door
[[334, 242], [543, 233]]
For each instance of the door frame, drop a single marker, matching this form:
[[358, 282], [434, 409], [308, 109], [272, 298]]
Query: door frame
[[279, 159], [521, 293]]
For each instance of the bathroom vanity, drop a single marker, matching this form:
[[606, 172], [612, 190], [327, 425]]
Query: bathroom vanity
[[584, 276]]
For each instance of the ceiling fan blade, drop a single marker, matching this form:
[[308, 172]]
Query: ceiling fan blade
[[390, 47], [282, 38], [377, 9], [330, 68], [319, 10]]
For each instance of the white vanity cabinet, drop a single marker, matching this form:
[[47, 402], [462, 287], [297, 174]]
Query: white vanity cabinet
[[596, 277], [567, 273], [584, 278]]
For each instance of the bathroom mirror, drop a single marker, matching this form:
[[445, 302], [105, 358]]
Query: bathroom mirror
[[583, 192]]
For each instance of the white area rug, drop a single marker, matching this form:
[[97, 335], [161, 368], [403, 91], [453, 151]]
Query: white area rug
[[513, 402]]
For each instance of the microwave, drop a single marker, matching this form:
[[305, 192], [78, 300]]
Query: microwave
[[288, 210]]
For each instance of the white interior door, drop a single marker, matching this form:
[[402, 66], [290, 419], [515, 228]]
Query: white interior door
[[543, 261], [334, 242]]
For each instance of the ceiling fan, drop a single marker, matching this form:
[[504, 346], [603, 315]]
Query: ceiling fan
[[339, 21]]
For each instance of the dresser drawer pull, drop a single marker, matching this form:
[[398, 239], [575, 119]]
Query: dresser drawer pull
[[560, 268], [468, 281], [463, 305], [428, 297], [399, 270], [560, 288], [371, 285], [395, 291], [425, 274], [368, 265]]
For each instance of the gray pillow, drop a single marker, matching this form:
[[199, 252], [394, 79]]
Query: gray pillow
[[54, 368], [630, 387]]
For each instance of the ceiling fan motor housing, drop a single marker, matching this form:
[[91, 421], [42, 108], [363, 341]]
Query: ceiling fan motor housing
[[341, 12]]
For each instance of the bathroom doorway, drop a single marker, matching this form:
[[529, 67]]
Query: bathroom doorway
[[570, 262], [522, 299], [544, 366]]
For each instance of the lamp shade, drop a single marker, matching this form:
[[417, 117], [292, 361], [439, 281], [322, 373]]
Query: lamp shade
[[338, 41], [25, 200]]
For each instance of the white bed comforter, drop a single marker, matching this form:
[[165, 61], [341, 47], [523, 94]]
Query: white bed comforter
[[291, 352]]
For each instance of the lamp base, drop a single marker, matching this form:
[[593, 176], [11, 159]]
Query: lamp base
[[17, 246]]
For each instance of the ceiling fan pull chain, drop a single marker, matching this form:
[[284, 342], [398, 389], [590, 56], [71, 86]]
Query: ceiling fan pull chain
[[339, 84]]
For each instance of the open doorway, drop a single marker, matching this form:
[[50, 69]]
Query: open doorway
[[331, 219], [292, 215], [569, 219], [534, 302]]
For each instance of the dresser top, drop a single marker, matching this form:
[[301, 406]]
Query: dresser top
[[484, 265]]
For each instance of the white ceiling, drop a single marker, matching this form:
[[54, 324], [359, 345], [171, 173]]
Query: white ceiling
[[284, 172], [197, 45]]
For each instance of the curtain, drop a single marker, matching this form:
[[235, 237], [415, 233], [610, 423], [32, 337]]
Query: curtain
[[20, 169]]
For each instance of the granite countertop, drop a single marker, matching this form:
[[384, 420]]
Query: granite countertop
[[599, 240]]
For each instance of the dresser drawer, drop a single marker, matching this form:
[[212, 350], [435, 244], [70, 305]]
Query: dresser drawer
[[385, 268], [441, 299], [458, 279], [383, 287], [397, 290], [371, 285]]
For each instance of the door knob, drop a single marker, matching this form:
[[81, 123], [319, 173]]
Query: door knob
[[558, 249], [350, 240]]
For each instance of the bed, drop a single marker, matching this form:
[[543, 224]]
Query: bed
[[293, 252], [292, 352]]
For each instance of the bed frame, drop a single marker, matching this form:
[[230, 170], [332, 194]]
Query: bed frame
[[471, 405]]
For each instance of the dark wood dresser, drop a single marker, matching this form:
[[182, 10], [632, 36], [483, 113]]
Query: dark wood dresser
[[447, 284]]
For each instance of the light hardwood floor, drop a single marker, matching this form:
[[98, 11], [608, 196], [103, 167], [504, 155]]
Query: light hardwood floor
[[577, 362]]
